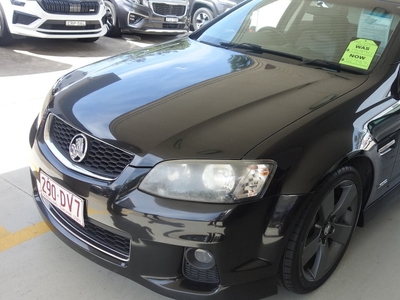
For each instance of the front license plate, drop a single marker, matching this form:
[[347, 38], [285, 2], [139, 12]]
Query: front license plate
[[174, 20], [75, 23], [69, 203]]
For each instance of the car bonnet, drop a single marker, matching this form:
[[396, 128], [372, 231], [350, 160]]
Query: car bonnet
[[185, 99]]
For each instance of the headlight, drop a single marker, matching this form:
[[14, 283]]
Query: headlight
[[209, 181]]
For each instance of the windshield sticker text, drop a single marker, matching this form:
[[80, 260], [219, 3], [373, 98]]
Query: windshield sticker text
[[360, 53]]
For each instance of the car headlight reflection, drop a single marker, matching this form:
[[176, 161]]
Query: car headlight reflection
[[209, 181]]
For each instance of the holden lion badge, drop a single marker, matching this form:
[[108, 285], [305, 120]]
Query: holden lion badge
[[78, 148]]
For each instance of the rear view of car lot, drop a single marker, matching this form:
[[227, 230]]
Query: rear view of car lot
[[34, 264], [84, 20], [166, 17]]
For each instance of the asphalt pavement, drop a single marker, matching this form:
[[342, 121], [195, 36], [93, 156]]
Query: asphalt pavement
[[35, 264]]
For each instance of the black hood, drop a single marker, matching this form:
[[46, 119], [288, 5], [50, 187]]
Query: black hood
[[184, 99]]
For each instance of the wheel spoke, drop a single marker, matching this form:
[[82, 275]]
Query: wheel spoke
[[321, 262], [341, 233], [326, 257], [327, 206], [310, 250], [349, 193]]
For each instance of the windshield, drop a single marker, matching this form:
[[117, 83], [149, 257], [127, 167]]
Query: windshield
[[350, 33]]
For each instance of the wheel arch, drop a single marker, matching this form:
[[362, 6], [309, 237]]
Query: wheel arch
[[6, 38], [199, 4], [361, 163], [117, 10], [365, 169], [295, 204]]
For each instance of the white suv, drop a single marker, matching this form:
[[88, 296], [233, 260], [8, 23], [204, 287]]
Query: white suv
[[77, 19]]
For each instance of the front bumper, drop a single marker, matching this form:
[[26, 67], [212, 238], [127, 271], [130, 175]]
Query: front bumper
[[246, 240], [27, 18]]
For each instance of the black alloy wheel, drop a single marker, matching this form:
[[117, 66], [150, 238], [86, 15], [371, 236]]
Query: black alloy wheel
[[323, 232], [113, 29], [5, 35], [201, 16]]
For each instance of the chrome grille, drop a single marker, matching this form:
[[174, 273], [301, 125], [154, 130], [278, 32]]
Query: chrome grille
[[169, 10], [69, 7], [101, 159]]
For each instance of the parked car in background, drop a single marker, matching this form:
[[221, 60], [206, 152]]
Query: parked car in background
[[218, 164], [168, 17], [62, 19], [203, 11]]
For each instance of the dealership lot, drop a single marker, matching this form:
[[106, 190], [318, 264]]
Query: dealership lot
[[34, 264]]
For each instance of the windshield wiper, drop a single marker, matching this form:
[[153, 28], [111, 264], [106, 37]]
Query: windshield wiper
[[258, 49], [330, 65]]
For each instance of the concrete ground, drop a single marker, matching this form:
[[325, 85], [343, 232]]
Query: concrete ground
[[35, 264]]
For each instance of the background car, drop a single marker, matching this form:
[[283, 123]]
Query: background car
[[203, 11], [168, 17], [84, 20]]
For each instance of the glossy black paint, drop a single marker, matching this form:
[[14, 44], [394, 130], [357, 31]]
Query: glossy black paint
[[191, 103], [213, 103]]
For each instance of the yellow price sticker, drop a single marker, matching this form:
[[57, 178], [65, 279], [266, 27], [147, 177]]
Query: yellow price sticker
[[360, 53]]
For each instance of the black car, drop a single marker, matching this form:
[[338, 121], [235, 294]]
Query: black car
[[203, 11], [166, 17], [219, 164]]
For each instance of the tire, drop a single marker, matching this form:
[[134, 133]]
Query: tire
[[88, 40], [322, 233], [113, 29], [5, 35], [201, 16]]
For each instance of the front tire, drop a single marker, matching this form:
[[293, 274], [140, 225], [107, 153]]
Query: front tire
[[5, 35], [323, 232], [201, 16], [113, 29]]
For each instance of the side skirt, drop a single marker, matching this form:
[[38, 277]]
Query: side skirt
[[381, 204]]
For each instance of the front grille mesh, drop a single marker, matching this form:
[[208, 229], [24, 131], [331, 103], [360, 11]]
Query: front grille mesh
[[200, 275], [105, 237], [69, 7], [101, 158], [106, 241], [169, 10], [173, 26]]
